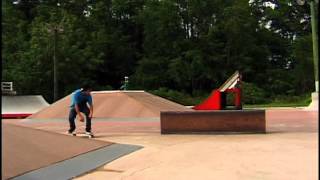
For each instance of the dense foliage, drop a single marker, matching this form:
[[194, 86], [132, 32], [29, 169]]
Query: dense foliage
[[168, 46]]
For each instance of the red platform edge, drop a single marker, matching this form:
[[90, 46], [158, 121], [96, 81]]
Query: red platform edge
[[17, 115]]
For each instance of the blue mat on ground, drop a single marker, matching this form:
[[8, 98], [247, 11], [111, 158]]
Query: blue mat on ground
[[81, 164]]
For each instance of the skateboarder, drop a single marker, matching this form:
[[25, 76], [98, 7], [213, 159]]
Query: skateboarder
[[81, 102]]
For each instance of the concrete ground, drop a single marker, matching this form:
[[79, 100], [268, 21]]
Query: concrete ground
[[27, 149], [275, 156], [289, 150]]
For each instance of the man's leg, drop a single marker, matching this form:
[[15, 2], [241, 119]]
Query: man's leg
[[86, 111], [72, 116]]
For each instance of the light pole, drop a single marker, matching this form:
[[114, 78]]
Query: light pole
[[55, 29]]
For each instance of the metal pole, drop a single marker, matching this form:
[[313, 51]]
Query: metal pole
[[55, 72], [314, 26]]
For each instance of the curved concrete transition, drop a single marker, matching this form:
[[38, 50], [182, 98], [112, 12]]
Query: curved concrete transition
[[22, 106], [115, 104], [314, 105], [36, 154]]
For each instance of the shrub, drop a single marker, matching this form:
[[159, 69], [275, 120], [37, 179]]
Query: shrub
[[176, 96], [252, 94]]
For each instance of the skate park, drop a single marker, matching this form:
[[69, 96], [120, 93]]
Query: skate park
[[130, 142], [181, 90]]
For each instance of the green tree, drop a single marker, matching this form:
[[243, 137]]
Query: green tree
[[15, 41]]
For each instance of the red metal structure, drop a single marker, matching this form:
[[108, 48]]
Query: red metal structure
[[217, 99]]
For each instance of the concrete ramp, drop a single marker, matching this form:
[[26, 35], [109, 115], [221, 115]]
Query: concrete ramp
[[21, 106], [30, 154], [115, 104]]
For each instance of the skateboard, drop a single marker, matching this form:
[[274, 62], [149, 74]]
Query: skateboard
[[83, 135]]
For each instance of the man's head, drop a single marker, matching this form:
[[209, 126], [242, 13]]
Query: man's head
[[86, 89]]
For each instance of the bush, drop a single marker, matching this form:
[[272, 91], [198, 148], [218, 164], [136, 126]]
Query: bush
[[176, 96], [103, 88], [252, 94], [302, 99]]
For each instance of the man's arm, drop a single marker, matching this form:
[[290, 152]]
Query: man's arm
[[76, 106], [90, 106], [81, 118]]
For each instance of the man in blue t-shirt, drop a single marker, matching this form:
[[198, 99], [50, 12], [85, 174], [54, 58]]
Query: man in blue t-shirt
[[81, 102]]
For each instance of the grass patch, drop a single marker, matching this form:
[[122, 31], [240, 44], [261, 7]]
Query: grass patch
[[285, 101], [277, 101]]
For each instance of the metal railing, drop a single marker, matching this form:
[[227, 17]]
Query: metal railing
[[7, 86]]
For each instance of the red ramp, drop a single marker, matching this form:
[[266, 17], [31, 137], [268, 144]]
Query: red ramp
[[211, 103], [217, 99]]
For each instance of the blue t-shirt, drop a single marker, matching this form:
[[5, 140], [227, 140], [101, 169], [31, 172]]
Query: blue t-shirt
[[80, 98]]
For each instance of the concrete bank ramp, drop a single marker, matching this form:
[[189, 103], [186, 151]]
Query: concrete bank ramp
[[115, 104], [30, 154], [22, 106]]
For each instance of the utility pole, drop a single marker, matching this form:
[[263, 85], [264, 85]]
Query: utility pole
[[314, 26], [55, 72], [54, 30]]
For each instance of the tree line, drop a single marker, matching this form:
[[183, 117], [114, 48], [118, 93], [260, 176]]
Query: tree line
[[189, 46]]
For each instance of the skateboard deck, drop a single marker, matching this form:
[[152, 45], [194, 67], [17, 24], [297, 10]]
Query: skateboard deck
[[83, 135]]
